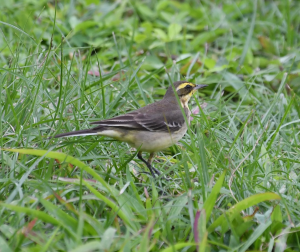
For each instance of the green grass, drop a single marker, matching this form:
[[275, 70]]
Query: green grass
[[234, 177]]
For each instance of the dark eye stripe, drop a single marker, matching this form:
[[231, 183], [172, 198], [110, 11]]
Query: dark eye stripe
[[188, 86]]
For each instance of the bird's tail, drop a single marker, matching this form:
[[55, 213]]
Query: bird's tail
[[86, 132]]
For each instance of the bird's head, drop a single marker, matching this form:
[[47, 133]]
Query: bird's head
[[184, 90]]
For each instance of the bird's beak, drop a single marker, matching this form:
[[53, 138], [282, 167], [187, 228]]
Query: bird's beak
[[199, 87]]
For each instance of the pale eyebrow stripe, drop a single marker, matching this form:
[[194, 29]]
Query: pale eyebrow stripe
[[183, 85]]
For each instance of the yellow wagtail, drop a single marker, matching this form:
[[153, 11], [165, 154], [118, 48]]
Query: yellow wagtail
[[152, 128]]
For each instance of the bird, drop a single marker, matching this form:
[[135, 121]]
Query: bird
[[152, 128]]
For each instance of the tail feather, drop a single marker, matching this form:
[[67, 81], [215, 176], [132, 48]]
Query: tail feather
[[86, 132]]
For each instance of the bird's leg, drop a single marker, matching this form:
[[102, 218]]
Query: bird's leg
[[148, 164], [156, 171]]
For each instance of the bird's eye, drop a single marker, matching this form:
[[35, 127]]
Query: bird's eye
[[188, 86]]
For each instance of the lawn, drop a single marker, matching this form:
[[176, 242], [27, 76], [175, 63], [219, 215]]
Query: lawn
[[234, 182]]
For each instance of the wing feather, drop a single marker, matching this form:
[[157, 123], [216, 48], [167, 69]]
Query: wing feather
[[147, 120]]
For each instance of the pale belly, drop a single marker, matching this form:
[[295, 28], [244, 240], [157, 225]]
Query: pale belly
[[150, 142], [157, 140]]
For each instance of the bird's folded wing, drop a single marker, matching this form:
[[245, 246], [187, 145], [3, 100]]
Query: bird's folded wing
[[168, 122]]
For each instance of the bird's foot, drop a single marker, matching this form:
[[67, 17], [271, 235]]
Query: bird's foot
[[157, 174]]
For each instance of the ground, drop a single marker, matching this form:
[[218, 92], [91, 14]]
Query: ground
[[233, 179]]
